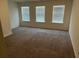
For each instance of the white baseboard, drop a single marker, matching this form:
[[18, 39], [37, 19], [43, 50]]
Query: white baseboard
[[5, 35]]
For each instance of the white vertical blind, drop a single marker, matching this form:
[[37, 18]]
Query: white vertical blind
[[40, 13], [25, 13], [58, 14]]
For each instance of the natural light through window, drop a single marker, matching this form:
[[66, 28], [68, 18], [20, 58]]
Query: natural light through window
[[25, 13], [58, 14], [40, 13]]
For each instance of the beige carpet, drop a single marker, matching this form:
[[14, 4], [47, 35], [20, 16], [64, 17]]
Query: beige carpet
[[33, 42]]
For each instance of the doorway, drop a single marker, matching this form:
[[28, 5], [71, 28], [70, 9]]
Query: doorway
[[2, 44], [1, 34]]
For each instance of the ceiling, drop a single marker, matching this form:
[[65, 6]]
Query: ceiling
[[28, 0]]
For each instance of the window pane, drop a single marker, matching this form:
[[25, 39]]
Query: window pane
[[58, 14], [40, 13], [25, 13]]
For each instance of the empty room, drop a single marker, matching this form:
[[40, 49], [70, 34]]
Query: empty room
[[39, 28]]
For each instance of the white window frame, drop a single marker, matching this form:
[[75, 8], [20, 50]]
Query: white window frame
[[28, 18], [53, 19], [38, 16]]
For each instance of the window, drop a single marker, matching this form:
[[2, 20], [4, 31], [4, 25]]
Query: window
[[58, 14], [25, 13], [40, 13]]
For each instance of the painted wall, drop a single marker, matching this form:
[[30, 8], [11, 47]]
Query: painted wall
[[4, 17], [14, 17], [74, 27], [48, 14]]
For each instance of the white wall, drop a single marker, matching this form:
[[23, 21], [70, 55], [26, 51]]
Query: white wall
[[4, 17], [74, 27], [14, 17]]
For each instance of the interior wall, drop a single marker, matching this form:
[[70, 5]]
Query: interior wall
[[4, 17], [48, 14], [74, 27], [14, 16]]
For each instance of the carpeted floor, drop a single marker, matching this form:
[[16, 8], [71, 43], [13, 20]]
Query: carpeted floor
[[40, 43]]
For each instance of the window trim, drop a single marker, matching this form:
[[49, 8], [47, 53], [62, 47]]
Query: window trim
[[21, 13], [53, 13], [44, 13]]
